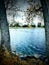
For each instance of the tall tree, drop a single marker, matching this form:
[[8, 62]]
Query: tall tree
[[5, 37], [45, 6]]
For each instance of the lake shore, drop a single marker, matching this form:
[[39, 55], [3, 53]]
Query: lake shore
[[25, 27], [7, 59]]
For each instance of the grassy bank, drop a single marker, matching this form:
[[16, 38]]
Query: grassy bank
[[7, 59]]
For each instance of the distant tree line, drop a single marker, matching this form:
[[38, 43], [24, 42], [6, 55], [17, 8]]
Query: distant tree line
[[16, 24]]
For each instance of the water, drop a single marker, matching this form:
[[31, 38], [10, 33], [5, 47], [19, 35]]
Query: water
[[28, 41]]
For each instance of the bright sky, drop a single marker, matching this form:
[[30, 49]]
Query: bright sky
[[20, 16], [22, 19], [38, 19]]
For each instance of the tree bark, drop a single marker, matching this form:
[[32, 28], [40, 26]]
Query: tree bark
[[45, 6], [5, 37]]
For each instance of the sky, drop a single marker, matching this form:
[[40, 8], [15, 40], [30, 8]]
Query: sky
[[20, 15]]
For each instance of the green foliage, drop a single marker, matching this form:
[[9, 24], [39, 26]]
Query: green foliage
[[33, 26], [25, 26], [14, 25], [39, 24]]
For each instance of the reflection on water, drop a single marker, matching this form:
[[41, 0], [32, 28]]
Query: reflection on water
[[28, 41]]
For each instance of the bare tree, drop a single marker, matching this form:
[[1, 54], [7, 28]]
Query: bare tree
[[5, 37], [45, 6]]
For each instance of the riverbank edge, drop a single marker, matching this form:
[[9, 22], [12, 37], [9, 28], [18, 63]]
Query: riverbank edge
[[12, 59]]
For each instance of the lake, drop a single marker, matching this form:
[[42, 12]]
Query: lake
[[28, 41]]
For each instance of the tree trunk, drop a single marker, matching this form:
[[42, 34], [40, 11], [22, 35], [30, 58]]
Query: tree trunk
[[5, 37], [45, 6]]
